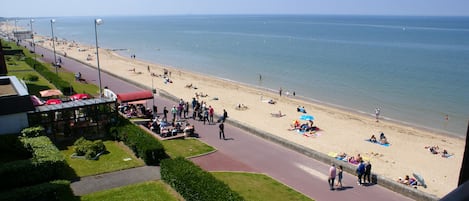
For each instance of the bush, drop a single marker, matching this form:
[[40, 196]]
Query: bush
[[141, 143], [33, 131], [193, 183], [62, 85], [88, 148], [46, 164], [31, 78], [54, 190]]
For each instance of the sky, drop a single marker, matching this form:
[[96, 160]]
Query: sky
[[56, 8]]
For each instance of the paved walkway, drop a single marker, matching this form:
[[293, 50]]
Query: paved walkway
[[115, 179], [251, 153]]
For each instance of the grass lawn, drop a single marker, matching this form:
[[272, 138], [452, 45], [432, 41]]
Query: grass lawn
[[21, 70], [258, 187], [154, 190], [110, 162], [185, 147]]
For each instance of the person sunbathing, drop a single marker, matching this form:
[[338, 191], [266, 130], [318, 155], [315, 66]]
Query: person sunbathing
[[279, 114], [373, 139], [404, 181], [383, 141]]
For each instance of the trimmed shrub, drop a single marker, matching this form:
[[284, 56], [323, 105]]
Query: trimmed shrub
[[62, 85], [33, 131], [193, 183], [142, 144], [46, 164], [31, 78], [88, 148], [54, 190]]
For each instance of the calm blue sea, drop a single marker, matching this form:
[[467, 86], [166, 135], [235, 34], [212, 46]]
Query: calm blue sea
[[415, 68]]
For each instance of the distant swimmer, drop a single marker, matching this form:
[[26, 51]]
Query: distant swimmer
[[260, 77]]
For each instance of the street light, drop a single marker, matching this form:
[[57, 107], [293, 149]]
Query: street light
[[32, 37], [52, 21], [96, 23]]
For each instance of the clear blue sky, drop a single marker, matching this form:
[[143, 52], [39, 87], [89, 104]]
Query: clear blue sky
[[46, 8]]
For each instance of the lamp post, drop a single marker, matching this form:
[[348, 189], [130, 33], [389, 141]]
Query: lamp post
[[96, 23], [52, 21], [16, 27], [32, 37], [153, 90]]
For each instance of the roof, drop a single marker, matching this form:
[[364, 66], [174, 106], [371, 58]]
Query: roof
[[73, 104], [14, 97], [134, 96]]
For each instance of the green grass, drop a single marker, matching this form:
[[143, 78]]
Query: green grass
[[154, 190], [185, 147], [110, 162], [259, 187], [79, 87]]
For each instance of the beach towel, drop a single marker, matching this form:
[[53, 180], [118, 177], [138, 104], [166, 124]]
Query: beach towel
[[385, 145], [311, 135]]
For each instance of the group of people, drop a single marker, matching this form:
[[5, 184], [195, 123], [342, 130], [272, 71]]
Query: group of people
[[382, 139], [436, 150], [303, 127], [132, 110], [410, 181], [333, 173]]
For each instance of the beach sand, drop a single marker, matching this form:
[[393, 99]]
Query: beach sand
[[340, 130]]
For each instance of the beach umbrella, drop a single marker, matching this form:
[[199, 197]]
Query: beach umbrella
[[50, 92], [53, 101], [306, 117], [79, 96], [420, 179], [36, 101]]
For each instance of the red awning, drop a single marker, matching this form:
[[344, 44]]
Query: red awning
[[134, 96]]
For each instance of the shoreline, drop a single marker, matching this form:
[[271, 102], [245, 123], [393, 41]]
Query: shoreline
[[341, 128], [308, 100]]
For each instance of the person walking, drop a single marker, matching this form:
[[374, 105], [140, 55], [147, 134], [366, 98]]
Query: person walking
[[332, 174], [222, 130], [174, 112], [210, 114], [165, 114], [205, 116], [340, 176], [377, 112], [367, 177], [360, 172]]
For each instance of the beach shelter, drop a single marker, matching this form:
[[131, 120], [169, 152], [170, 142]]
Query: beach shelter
[[134, 96], [79, 96], [50, 92], [53, 102]]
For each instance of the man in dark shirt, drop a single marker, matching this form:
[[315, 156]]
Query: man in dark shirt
[[222, 130]]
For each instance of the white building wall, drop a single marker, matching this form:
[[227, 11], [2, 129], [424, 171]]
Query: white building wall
[[13, 123]]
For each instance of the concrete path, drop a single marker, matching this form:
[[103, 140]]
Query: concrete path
[[115, 179], [251, 153]]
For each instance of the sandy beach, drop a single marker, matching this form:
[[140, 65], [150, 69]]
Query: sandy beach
[[340, 130]]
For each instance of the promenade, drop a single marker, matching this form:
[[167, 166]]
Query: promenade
[[244, 151]]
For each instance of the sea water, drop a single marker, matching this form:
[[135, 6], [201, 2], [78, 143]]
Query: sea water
[[416, 69]]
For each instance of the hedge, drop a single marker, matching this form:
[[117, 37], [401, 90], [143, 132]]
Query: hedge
[[193, 183], [142, 144], [46, 164], [62, 85], [54, 190]]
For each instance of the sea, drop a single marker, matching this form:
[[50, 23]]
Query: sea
[[414, 68]]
